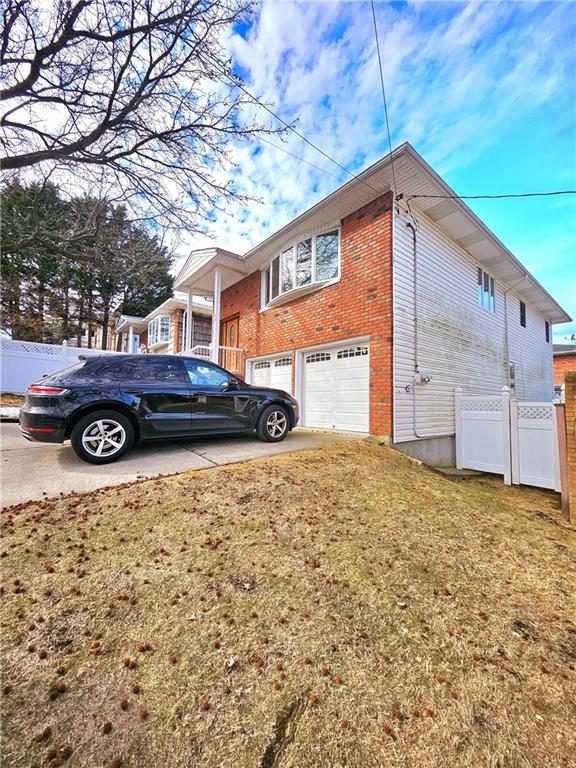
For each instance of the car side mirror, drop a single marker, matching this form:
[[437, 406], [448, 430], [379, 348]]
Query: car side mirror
[[230, 384]]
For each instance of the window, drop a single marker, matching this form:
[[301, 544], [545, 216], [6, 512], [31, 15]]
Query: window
[[486, 294], [523, 314], [547, 330], [310, 261], [283, 362], [203, 374], [318, 357], [151, 368], [261, 366], [159, 330], [352, 352]]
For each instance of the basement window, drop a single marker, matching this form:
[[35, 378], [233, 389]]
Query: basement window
[[309, 263], [485, 291]]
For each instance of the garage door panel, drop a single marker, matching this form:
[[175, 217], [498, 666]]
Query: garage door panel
[[336, 389], [276, 373]]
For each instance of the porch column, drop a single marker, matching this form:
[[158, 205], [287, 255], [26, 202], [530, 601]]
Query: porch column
[[216, 315], [188, 340], [130, 339]]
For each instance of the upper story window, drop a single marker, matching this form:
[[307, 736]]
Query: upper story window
[[486, 291], [309, 262], [523, 314], [159, 330]]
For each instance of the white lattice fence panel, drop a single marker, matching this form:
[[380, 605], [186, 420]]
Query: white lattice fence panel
[[535, 458], [23, 362], [481, 438]]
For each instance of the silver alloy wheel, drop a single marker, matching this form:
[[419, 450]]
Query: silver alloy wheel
[[103, 438], [276, 424]]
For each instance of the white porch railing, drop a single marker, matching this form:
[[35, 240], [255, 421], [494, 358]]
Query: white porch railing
[[231, 358]]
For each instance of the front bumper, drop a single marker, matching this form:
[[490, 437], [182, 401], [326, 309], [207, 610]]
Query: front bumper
[[42, 428]]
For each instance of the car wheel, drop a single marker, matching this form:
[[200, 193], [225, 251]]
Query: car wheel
[[273, 425], [102, 437]]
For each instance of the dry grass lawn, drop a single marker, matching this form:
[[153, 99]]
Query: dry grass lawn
[[339, 607]]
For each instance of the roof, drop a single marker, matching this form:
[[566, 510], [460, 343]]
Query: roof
[[123, 323], [413, 177], [564, 349], [174, 303]]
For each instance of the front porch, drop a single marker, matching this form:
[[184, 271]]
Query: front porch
[[208, 273]]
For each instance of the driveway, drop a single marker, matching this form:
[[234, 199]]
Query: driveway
[[31, 470]]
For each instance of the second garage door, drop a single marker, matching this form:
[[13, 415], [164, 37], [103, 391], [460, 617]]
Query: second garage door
[[337, 388], [275, 373]]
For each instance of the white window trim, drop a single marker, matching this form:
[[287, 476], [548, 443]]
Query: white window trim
[[300, 290], [491, 279], [157, 321]]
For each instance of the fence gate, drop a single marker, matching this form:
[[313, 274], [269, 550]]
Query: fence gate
[[512, 438]]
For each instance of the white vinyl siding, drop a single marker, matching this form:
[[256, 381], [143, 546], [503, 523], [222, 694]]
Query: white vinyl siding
[[459, 342]]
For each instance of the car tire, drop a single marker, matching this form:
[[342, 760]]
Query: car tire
[[102, 437], [273, 424]]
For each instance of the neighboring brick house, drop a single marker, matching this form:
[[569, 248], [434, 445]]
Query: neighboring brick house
[[564, 360], [167, 326], [371, 307]]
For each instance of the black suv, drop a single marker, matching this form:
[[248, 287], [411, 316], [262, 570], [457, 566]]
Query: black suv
[[105, 404]]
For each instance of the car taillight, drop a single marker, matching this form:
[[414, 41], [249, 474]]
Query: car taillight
[[46, 391]]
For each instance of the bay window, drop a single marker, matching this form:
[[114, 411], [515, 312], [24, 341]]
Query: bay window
[[159, 330], [312, 261]]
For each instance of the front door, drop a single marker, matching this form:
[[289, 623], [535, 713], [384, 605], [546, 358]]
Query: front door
[[229, 338]]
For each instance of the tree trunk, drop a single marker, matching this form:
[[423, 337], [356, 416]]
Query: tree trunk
[[105, 319]]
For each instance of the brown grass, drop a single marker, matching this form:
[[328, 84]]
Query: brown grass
[[8, 400], [340, 607]]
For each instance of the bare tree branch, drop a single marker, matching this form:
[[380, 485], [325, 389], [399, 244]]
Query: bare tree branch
[[140, 90]]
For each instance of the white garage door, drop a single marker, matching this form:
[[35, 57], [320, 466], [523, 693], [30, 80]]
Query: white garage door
[[276, 373], [336, 388]]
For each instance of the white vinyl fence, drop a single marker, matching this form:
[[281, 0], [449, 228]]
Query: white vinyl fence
[[512, 438], [22, 362]]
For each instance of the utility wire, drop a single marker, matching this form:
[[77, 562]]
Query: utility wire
[[297, 157], [290, 127], [383, 95], [494, 197]]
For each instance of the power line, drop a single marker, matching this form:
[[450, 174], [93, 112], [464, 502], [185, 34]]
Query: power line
[[383, 95], [297, 157], [290, 127], [494, 197]]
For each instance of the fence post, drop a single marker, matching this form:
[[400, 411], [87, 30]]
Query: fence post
[[507, 437], [64, 353], [514, 443], [458, 420]]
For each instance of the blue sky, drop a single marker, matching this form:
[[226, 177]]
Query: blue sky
[[484, 91]]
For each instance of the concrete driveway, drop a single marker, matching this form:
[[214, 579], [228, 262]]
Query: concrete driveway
[[30, 469]]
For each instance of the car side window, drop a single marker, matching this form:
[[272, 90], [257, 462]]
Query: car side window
[[139, 369], [203, 374]]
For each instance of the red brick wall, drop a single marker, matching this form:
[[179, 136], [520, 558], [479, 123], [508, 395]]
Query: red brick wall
[[570, 412], [563, 363], [360, 304]]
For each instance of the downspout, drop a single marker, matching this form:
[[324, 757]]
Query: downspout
[[418, 377]]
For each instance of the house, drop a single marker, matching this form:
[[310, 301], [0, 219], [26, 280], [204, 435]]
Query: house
[[166, 326], [564, 360], [129, 333], [374, 304]]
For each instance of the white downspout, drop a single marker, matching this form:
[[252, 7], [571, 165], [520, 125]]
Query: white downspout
[[214, 347], [130, 339]]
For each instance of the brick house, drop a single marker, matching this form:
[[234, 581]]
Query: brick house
[[564, 360], [372, 306], [166, 325]]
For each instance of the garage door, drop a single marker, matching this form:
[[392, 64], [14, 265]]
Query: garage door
[[276, 372], [336, 388]]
